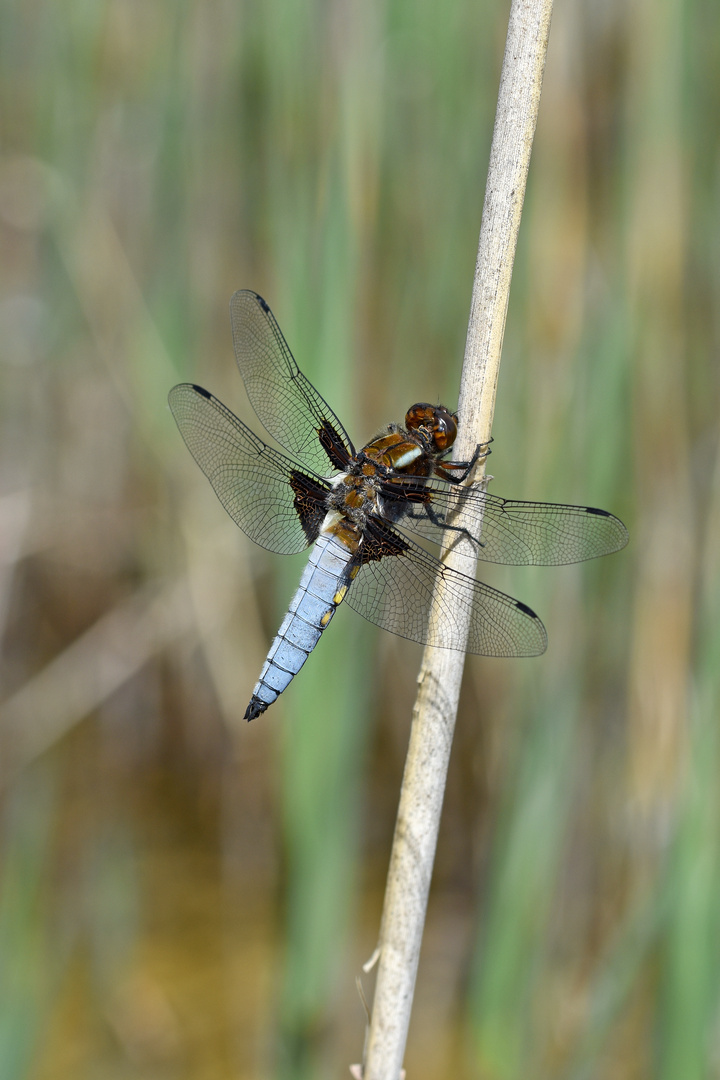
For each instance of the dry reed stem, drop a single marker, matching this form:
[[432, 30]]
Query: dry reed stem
[[423, 785]]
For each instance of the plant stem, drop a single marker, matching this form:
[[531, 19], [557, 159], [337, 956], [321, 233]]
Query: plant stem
[[425, 775]]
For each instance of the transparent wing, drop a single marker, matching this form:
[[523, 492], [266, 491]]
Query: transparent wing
[[287, 403], [396, 590], [511, 532], [264, 492]]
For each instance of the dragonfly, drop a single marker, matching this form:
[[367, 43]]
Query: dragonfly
[[369, 514]]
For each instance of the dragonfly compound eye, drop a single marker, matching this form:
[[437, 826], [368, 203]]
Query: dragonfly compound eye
[[444, 429], [420, 415]]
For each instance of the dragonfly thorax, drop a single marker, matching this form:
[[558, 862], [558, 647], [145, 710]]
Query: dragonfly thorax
[[354, 497], [397, 450]]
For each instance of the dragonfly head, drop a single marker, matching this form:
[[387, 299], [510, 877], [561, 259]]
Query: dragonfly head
[[434, 421]]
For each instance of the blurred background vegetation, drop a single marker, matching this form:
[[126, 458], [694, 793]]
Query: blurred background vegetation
[[186, 896]]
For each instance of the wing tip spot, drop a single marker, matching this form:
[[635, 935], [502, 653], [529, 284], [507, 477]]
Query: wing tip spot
[[201, 390]]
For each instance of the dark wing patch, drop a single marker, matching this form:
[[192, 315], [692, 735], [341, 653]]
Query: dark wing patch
[[395, 589], [287, 403], [380, 542], [258, 486], [511, 531], [310, 503], [334, 446]]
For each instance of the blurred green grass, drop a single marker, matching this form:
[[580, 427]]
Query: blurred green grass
[[182, 895]]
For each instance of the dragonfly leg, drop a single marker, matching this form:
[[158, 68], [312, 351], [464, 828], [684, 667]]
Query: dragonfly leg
[[464, 467], [438, 520]]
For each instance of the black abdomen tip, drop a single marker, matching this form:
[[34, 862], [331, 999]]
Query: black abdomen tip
[[255, 708]]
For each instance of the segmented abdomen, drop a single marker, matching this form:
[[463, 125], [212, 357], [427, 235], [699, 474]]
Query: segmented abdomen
[[322, 587]]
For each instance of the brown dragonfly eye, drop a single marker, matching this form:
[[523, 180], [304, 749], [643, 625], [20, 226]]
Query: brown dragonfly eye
[[420, 415], [444, 429]]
